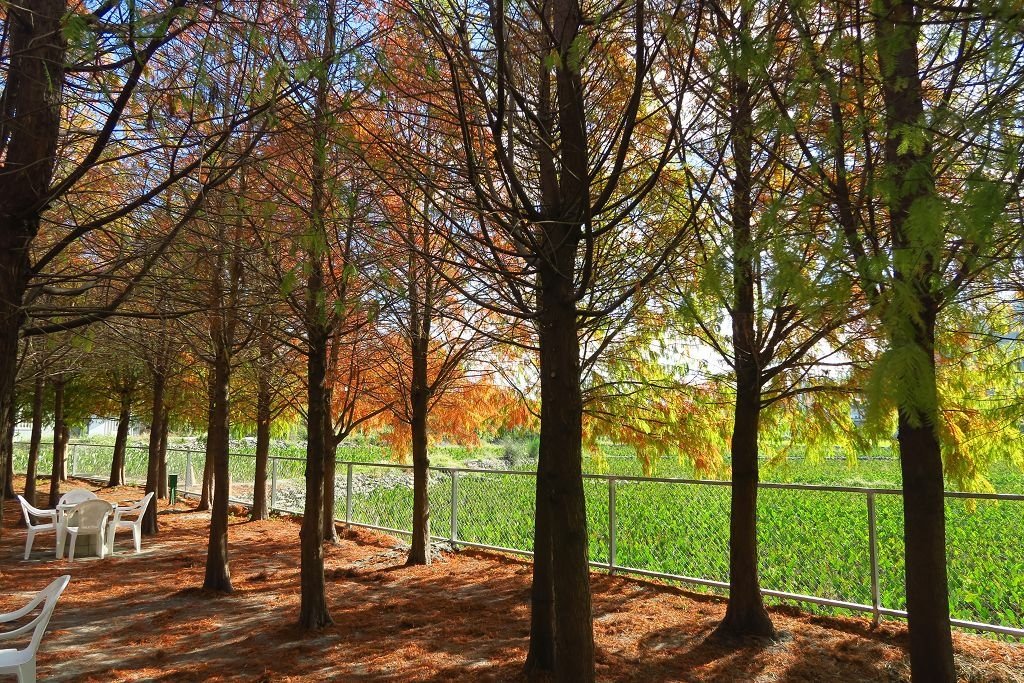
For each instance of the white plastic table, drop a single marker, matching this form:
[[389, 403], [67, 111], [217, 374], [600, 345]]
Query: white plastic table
[[84, 545]]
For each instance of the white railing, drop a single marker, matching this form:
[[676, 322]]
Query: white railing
[[495, 510]]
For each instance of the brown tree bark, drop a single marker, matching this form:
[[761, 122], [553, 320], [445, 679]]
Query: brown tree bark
[[206, 492], [30, 128], [541, 655], [65, 439], [912, 179], [7, 452], [124, 420], [165, 421], [59, 444], [330, 531], [313, 612], [218, 573], [35, 438], [419, 553], [745, 614], [149, 521], [263, 419], [419, 394], [561, 444], [6, 460]]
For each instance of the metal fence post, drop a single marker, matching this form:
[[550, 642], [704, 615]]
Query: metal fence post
[[611, 525], [188, 469], [348, 493], [74, 459], [273, 482], [455, 508], [876, 598]]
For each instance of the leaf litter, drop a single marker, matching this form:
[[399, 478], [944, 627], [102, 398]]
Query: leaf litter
[[465, 617]]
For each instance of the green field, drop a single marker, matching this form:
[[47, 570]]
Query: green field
[[811, 542]]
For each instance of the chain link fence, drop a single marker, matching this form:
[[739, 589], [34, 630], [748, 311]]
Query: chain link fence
[[831, 547]]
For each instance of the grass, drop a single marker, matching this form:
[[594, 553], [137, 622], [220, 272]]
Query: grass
[[811, 542]]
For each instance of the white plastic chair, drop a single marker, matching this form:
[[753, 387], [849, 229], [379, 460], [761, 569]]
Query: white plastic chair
[[34, 527], [23, 662], [75, 496], [88, 519], [119, 522]]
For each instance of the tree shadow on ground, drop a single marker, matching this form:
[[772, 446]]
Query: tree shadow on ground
[[465, 617]]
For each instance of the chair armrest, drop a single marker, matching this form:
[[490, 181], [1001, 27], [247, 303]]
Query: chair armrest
[[50, 515], [19, 613], [23, 629]]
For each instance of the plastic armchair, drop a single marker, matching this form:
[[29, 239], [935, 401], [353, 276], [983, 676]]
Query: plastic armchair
[[138, 510], [75, 496], [34, 527], [23, 662], [88, 519]]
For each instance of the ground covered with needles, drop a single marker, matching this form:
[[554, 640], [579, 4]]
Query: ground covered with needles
[[466, 617]]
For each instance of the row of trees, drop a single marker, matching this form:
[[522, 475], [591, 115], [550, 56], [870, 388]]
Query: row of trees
[[365, 214]]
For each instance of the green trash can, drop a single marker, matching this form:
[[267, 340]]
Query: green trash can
[[172, 487]]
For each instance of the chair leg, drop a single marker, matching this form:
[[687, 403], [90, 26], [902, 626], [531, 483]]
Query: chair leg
[[137, 535], [27, 672], [61, 534], [73, 537], [28, 542]]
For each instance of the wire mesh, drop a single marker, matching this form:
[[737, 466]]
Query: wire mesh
[[798, 533], [496, 509], [673, 528]]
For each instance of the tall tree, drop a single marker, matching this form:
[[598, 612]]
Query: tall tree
[[558, 234], [927, 220], [438, 337], [766, 286]]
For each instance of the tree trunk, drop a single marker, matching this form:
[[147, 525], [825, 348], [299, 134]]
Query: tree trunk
[[149, 522], [561, 444], [313, 612], [924, 526], [124, 420], [541, 656], [330, 531], [59, 444], [65, 439], [218, 573], [745, 614], [32, 116], [911, 174], [259, 493], [34, 439], [7, 452], [540, 659], [206, 493], [7, 460], [419, 403], [162, 471]]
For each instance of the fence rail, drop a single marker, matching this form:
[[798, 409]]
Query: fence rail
[[835, 547]]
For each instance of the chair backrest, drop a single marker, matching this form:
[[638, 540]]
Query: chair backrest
[[140, 507], [48, 596], [77, 496], [90, 514], [28, 509]]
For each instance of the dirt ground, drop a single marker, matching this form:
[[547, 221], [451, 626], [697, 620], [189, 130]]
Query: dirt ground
[[464, 618]]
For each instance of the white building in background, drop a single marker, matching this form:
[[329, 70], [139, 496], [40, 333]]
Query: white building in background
[[97, 426]]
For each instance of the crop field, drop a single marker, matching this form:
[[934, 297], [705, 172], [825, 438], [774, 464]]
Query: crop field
[[811, 542]]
